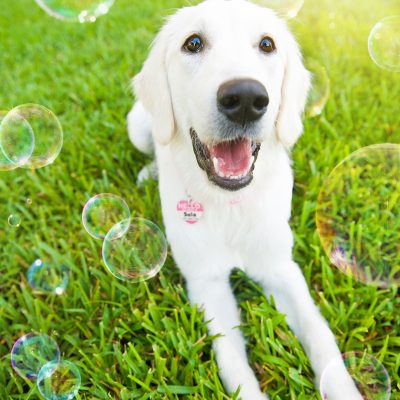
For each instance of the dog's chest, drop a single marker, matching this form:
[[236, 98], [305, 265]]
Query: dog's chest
[[226, 222]]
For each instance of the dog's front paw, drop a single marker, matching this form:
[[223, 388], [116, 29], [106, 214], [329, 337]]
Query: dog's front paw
[[339, 386], [236, 373], [149, 171], [338, 393], [251, 393]]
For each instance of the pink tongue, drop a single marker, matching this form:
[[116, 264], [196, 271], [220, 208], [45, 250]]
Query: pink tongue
[[233, 157]]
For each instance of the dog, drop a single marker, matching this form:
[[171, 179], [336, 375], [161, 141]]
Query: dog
[[219, 102]]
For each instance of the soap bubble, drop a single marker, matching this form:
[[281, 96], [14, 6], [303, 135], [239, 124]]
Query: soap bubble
[[134, 250], [102, 212], [31, 136], [48, 278], [285, 8], [76, 10], [358, 215], [59, 380], [384, 43], [14, 220], [16, 140], [31, 352], [320, 89], [5, 163], [368, 374]]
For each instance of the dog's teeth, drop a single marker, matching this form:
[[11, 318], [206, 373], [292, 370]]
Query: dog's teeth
[[236, 177], [221, 174], [216, 168], [215, 162]]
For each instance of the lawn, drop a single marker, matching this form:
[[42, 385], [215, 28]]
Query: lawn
[[145, 341]]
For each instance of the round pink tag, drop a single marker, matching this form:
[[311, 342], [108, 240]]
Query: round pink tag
[[191, 211]]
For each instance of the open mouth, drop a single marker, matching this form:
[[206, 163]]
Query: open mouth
[[228, 164]]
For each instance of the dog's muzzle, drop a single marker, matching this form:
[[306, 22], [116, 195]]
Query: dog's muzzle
[[228, 164]]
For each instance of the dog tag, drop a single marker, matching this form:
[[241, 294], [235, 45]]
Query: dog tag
[[191, 211]]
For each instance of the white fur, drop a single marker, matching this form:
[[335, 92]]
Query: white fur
[[248, 228], [139, 128]]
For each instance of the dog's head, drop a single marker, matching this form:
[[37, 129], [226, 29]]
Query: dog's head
[[226, 75]]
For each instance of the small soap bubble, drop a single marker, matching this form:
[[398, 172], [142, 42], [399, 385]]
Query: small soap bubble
[[31, 352], [48, 277], [134, 250], [17, 140], [285, 8], [384, 43], [102, 212], [76, 10], [14, 220], [31, 136], [358, 215], [59, 380], [320, 89], [368, 374]]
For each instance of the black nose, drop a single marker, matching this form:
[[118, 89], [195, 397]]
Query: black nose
[[242, 100]]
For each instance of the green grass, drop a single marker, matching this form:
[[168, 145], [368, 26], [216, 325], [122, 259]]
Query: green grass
[[144, 341]]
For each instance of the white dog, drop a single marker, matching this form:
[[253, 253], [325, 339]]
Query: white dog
[[220, 100]]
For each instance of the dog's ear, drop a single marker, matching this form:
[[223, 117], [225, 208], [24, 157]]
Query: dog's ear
[[295, 87], [152, 89]]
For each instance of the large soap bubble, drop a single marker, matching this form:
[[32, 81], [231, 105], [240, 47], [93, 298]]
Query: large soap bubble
[[358, 215], [76, 10], [5, 163], [102, 212], [368, 374], [134, 250], [17, 140], [59, 380], [384, 43], [31, 136], [46, 277], [31, 352]]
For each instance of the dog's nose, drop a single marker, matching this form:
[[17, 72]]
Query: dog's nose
[[242, 100]]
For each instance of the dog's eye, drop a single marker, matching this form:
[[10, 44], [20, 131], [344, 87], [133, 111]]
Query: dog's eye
[[194, 44], [267, 45]]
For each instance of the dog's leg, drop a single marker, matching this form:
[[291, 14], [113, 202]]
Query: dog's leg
[[139, 128], [287, 285], [220, 309], [149, 171]]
